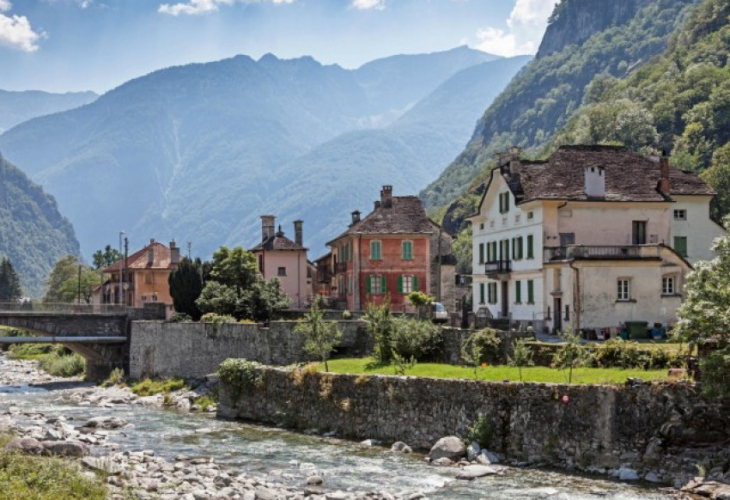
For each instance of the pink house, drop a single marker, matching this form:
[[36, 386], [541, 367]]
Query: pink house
[[279, 257]]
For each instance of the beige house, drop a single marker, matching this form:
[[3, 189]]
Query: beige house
[[144, 277], [594, 237], [279, 257]]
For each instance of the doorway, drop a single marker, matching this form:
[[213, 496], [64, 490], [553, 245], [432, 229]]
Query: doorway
[[558, 319]]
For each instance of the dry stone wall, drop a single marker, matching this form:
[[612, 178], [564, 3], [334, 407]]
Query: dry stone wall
[[646, 427]]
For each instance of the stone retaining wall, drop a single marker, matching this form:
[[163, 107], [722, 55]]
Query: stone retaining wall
[[640, 426]]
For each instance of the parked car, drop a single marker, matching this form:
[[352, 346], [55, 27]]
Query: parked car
[[439, 314]]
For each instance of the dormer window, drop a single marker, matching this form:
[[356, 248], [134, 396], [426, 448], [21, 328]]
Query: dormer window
[[503, 203]]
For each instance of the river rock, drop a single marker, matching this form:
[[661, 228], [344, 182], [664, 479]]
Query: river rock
[[401, 447], [472, 451], [474, 471], [450, 447], [625, 474], [105, 465], [105, 423], [264, 494], [66, 448], [26, 445], [443, 462], [183, 405], [314, 480]]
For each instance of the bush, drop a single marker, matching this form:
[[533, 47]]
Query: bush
[[240, 375], [217, 319], [62, 365], [380, 328], [618, 353], [180, 318], [480, 431], [116, 377], [149, 387], [31, 351], [417, 339], [715, 372]]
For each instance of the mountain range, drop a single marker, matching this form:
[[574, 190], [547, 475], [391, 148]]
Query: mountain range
[[198, 152], [17, 107]]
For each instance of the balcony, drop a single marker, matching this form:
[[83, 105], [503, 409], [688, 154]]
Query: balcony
[[498, 267], [617, 252], [340, 267]]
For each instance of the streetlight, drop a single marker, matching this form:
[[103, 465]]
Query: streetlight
[[121, 266]]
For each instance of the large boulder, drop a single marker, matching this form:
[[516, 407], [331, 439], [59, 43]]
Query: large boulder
[[66, 448], [25, 445], [105, 423], [450, 447], [474, 471]]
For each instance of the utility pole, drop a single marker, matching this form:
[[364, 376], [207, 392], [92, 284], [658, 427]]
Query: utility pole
[[79, 287], [121, 267], [189, 245]]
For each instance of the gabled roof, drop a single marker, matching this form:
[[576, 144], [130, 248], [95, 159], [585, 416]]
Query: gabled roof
[[405, 215], [278, 242], [140, 259], [629, 177]]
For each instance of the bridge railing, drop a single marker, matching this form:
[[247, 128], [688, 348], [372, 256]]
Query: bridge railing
[[32, 306]]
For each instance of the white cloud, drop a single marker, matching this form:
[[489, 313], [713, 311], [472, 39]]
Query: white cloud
[[16, 32], [368, 4], [526, 25], [192, 7]]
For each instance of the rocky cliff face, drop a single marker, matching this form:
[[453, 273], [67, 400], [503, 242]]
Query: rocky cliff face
[[575, 21]]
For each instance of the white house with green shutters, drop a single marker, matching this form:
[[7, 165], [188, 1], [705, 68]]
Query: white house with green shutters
[[594, 237]]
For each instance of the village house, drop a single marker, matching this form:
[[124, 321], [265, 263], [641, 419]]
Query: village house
[[279, 257], [144, 277], [595, 237], [393, 251]]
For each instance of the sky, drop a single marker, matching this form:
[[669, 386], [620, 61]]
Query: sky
[[75, 45]]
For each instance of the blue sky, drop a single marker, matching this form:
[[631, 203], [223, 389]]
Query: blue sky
[[69, 45]]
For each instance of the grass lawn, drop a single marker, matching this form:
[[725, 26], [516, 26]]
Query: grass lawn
[[497, 373]]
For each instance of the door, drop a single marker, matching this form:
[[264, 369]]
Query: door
[[638, 231], [567, 239], [505, 299], [557, 311]]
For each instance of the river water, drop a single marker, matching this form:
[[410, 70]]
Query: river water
[[280, 456]]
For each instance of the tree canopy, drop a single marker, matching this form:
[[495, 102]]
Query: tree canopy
[[71, 281], [9, 282]]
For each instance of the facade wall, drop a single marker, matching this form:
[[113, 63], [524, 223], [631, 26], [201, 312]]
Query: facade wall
[[698, 228], [152, 285], [294, 282]]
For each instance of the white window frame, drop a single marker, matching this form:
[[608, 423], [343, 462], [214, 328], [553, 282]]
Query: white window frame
[[376, 284], [680, 214], [407, 282], [623, 289], [669, 284]]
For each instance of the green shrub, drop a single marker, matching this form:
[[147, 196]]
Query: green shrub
[[180, 318], [240, 375], [618, 353], [521, 355], [715, 373], [217, 318], [346, 314], [31, 351], [62, 365], [116, 377], [380, 328], [488, 342], [480, 431], [149, 387], [417, 339]]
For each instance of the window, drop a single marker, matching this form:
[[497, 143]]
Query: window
[[567, 313], [492, 293], [375, 285], [518, 292], [481, 293], [530, 215], [624, 290], [680, 245], [514, 249], [407, 250], [481, 226], [503, 203], [281, 271], [668, 285], [520, 247], [680, 215], [149, 278], [491, 224], [481, 253], [494, 251], [530, 246], [407, 284], [530, 291], [375, 250], [518, 218], [639, 232], [349, 284], [488, 252]]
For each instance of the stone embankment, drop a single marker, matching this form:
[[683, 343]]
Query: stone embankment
[[659, 433]]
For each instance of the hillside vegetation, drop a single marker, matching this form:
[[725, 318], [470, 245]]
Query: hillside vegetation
[[615, 38], [33, 234], [17, 107]]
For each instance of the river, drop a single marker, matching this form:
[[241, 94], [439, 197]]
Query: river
[[279, 456]]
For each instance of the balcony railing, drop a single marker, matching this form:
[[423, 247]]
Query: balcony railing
[[605, 252], [498, 267], [341, 267]]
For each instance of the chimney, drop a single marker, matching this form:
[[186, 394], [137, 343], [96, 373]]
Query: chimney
[[515, 165], [267, 226], [665, 186], [595, 182], [174, 253], [298, 235], [355, 217], [386, 196], [151, 253], [377, 205]]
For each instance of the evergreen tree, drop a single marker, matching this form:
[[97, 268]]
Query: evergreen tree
[[107, 257], [9, 282], [186, 284]]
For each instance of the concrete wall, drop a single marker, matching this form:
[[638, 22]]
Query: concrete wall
[[642, 426], [190, 350]]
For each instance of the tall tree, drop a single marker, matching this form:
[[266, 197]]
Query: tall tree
[[9, 282], [186, 284], [107, 257], [321, 336], [71, 281]]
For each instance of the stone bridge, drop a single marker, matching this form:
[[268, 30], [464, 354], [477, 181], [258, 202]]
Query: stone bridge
[[103, 337]]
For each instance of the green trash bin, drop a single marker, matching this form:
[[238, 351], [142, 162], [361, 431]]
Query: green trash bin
[[638, 329]]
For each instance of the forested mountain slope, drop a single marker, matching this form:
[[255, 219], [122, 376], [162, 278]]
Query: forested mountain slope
[[33, 234], [611, 38], [17, 107]]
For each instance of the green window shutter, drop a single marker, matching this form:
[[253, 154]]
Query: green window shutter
[[506, 202], [367, 285], [481, 293], [400, 284], [489, 252], [494, 250], [407, 250], [415, 283], [530, 292], [530, 250], [518, 292], [680, 245], [481, 253], [514, 248], [501, 203], [520, 247], [383, 284]]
